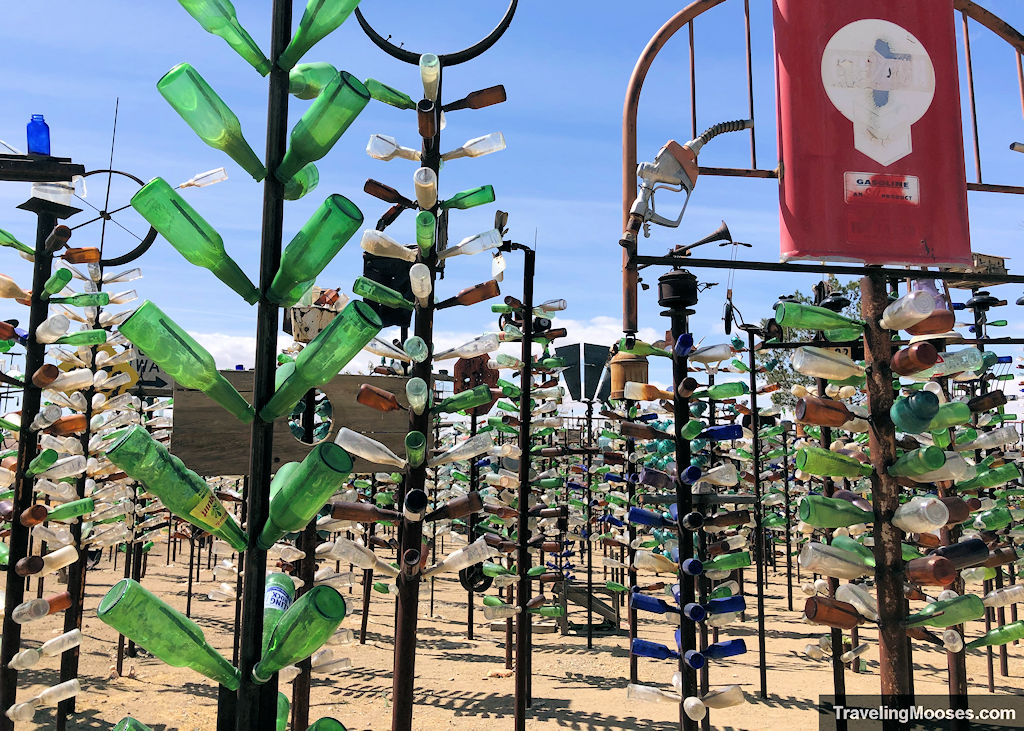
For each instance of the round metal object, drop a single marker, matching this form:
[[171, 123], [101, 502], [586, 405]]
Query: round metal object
[[473, 578]]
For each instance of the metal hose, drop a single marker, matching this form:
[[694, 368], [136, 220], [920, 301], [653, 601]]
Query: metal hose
[[721, 128]]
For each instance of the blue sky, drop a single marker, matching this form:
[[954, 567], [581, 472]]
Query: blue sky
[[565, 66]]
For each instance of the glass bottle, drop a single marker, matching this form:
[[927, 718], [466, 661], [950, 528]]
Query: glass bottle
[[38, 132], [327, 354], [821, 363], [999, 636], [476, 244], [825, 512], [914, 359], [368, 448], [379, 243], [921, 515], [219, 18], [164, 632], [949, 363], [834, 562], [277, 597], [472, 295], [994, 439], [302, 630], [208, 116], [191, 235], [910, 309], [948, 612], [319, 20], [313, 247], [822, 411], [914, 413], [472, 447], [304, 492], [389, 95], [307, 80], [180, 489], [417, 393], [822, 462], [324, 122], [917, 462], [377, 398], [468, 399], [469, 198], [811, 317], [174, 350], [831, 612], [377, 292]]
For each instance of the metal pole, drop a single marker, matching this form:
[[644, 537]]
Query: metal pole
[[759, 552], [27, 450], [590, 533], [474, 483], [257, 704], [631, 492], [522, 528], [684, 505], [788, 523], [368, 573], [893, 655], [307, 573]]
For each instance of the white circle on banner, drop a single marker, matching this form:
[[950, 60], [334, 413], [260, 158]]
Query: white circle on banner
[[881, 78]]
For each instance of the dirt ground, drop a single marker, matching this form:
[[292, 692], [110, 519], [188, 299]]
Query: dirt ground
[[459, 681]]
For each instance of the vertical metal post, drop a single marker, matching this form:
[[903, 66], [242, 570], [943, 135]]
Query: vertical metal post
[[629, 472], [788, 523], [893, 655], [257, 704], [368, 573], [27, 450], [522, 527], [684, 505], [474, 483], [590, 532], [759, 552], [307, 573]]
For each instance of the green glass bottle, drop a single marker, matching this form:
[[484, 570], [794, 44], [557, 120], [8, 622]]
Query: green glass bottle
[[377, 292], [468, 399], [615, 586], [948, 612], [41, 462], [185, 360], [57, 281], [415, 448], [209, 117], [949, 415], [995, 518], [914, 413], [470, 198], [824, 463], [164, 632], [917, 462], [318, 21], [303, 182], [719, 391], [304, 491], [313, 247], [324, 123], [180, 489], [426, 231], [130, 724], [327, 724], [999, 636], [218, 17], [283, 707], [810, 317], [728, 562], [328, 353], [83, 337], [389, 95], [72, 510], [10, 240], [191, 235], [277, 597], [305, 626], [548, 611], [307, 80], [992, 478], [84, 299], [826, 512], [642, 348]]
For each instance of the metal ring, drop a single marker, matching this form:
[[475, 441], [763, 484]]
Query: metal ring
[[147, 240], [447, 59]]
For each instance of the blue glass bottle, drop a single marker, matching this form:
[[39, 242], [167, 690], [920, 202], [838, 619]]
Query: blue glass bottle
[[639, 516], [722, 433], [38, 136], [645, 648], [726, 605], [645, 603]]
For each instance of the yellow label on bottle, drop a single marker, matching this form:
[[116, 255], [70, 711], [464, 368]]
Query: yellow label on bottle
[[209, 511]]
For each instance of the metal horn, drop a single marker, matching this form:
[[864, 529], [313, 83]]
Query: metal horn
[[721, 233]]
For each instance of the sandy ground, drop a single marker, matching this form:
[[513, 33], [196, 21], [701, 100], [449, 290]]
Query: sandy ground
[[457, 683]]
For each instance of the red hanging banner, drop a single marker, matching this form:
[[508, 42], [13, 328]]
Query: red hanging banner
[[870, 135]]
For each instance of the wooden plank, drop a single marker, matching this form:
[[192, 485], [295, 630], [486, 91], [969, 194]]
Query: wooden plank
[[212, 442]]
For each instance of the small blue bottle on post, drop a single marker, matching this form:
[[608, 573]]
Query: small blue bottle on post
[[38, 136]]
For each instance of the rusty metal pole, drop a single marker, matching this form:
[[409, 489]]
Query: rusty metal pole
[[759, 546], [629, 155], [893, 652]]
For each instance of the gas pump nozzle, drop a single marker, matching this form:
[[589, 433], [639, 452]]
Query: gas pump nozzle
[[674, 168]]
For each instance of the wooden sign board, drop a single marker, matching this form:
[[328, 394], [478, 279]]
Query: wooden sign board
[[212, 442]]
